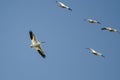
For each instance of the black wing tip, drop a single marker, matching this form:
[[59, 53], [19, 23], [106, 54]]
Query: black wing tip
[[98, 22], [30, 31], [70, 9], [31, 34], [43, 55], [103, 56], [103, 28]]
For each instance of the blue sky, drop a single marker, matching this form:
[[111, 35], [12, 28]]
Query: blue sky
[[66, 35]]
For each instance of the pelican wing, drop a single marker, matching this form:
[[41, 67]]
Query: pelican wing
[[40, 51], [92, 50], [32, 37], [62, 5]]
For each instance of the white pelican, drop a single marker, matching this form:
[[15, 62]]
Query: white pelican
[[36, 44], [92, 21], [95, 52], [110, 29], [62, 5]]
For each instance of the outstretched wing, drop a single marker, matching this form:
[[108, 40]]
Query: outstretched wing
[[40, 51], [32, 37], [92, 50]]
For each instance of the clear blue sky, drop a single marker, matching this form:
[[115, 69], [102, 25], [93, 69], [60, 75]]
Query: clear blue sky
[[66, 35]]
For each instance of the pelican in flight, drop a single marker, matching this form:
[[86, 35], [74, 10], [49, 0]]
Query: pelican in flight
[[36, 44], [92, 21], [110, 29], [95, 52], [62, 5]]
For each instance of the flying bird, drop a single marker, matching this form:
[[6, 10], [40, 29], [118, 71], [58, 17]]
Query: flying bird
[[62, 5], [95, 52], [36, 44], [110, 29], [92, 21]]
